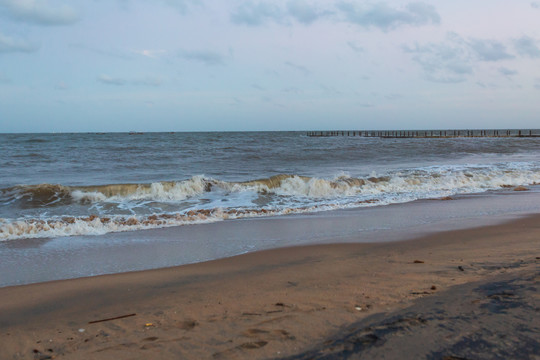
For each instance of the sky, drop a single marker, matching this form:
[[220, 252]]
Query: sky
[[247, 65]]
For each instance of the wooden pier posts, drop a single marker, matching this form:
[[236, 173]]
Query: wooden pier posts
[[428, 134]]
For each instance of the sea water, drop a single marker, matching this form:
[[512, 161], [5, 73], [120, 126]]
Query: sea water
[[75, 205], [58, 185]]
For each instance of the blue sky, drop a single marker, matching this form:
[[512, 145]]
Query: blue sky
[[188, 65]]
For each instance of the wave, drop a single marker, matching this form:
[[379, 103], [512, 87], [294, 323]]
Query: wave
[[464, 179], [99, 225], [203, 199], [56, 194], [37, 195]]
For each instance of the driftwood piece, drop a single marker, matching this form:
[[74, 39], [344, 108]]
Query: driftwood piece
[[113, 318]]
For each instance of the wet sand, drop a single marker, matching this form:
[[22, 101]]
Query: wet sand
[[457, 294]]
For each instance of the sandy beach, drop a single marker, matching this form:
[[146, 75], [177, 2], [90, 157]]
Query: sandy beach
[[298, 302], [255, 179]]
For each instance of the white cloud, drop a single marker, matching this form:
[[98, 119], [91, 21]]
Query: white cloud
[[526, 46], [305, 12], [385, 17], [108, 80], [507, 72], [254, 14], [10, 44], [150, 53], [355, 47], [448, 61], [39, 12], [300, 68], [379, 15], [182, 6], [205, 57], [453, 59], [120, 81], [489, 50]]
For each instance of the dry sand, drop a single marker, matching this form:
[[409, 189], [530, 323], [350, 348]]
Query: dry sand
[[324, 301]]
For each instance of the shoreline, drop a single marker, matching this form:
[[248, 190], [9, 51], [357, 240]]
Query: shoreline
[[40, 260], [266, 304]]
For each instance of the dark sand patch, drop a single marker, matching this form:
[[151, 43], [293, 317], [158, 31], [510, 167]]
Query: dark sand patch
[[497, 318]]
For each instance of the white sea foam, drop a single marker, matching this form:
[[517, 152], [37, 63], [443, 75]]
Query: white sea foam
[[95, 225]]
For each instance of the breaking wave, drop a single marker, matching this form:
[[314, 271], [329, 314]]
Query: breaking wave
[[99, 225], [203, 199], [55, 194]]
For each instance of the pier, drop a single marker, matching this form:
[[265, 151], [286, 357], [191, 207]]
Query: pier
[[429, 134]]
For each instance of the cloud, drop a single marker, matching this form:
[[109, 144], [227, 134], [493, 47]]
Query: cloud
[[380, 15], [252, 13], [255, 14], [182, 6], [537, 84], [489, 50], [535, 5], [454, 59], [355, 47], [298, 68], [39, 12], [507, 72], [386, 18], [118, 81], [10, 44], [526, 46], [107, 80], [209, 58], [304, 12], [447, 62], [150, 53]]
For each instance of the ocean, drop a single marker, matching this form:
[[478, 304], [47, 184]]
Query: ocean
[[62, 185]]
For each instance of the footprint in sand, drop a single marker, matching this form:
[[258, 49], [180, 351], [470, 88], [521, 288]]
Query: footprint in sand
[[253, 345]]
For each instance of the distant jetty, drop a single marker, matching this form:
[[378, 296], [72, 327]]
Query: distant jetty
[[429, 134]]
